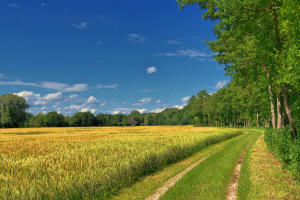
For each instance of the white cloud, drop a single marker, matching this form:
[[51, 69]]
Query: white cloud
[[76, 88], [142, 110], [44, 108], [158, 110], [121, 110], [116, 112], [56, 105], [220, 84], [53, 96], [173, 42], [145, 100], [63, 87], [91, 99], [84, 110], [103, 103], [185, 99], [73, 96], [179, 106], [29, 96], [49, 85], [93, 111], [112, 86], [187, 53], [18, 83], [133, 37], [14, 5], [75, 107], [158, 101], [82, 25], [151, 69], [36, 99]]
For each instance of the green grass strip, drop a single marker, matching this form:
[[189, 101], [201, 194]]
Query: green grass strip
[[244, 180], [211, 178]]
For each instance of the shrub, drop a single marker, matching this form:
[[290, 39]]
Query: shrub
[[287, 151]]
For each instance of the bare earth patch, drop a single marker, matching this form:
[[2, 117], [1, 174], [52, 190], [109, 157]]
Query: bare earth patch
[[232, 190]]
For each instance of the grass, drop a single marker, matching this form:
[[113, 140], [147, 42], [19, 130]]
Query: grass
[[264, 178], [92, 163], [244, 182], [211, 178]]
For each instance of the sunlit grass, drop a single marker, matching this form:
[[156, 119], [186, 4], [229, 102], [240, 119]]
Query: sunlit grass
[[264, 177], [68, 163]]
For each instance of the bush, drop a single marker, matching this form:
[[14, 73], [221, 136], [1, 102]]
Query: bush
[[280, 144]]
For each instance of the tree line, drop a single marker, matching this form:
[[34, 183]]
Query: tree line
[[259, 43], [235, 105]]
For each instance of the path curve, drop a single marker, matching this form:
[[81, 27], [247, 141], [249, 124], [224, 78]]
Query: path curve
[[160, 191]]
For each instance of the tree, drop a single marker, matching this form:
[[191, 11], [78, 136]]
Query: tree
[[255, 37], [137, 116], [54, 119], [102, 120], [83, 119], [38, 120], [12, 111]]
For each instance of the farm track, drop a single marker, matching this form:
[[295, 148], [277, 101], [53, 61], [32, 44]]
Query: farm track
[[194, 186], [233, 189]]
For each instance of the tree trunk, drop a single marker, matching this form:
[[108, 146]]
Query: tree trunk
[[271, 96], [272, 106], [289, 115], [279, 117], [257, 124]]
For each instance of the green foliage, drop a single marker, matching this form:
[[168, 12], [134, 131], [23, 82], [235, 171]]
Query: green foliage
[[137, 116], [197, 121], [83, 119], [288, 151], [12, 111], [54, 119]]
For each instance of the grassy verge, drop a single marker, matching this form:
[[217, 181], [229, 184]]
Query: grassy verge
[[210, 179], [149, 184], [244, 180], [264, 178]]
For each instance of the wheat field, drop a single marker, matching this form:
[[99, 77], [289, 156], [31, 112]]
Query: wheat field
[[90, 163]]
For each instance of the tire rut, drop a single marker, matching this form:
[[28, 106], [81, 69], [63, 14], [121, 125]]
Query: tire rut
[[160, 191]]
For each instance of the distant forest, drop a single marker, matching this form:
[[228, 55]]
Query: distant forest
[[235, 106]]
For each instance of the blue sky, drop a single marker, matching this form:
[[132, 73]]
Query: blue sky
[[105, 56]]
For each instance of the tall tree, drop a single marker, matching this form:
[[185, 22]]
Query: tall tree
[[12, 111], [252, 37]]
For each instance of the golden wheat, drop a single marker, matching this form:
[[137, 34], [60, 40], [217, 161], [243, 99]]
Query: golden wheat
[[85, 163]]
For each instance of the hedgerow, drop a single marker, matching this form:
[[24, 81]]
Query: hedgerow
[[285, 149]]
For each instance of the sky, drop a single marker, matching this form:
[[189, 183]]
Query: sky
[[105, 56]]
